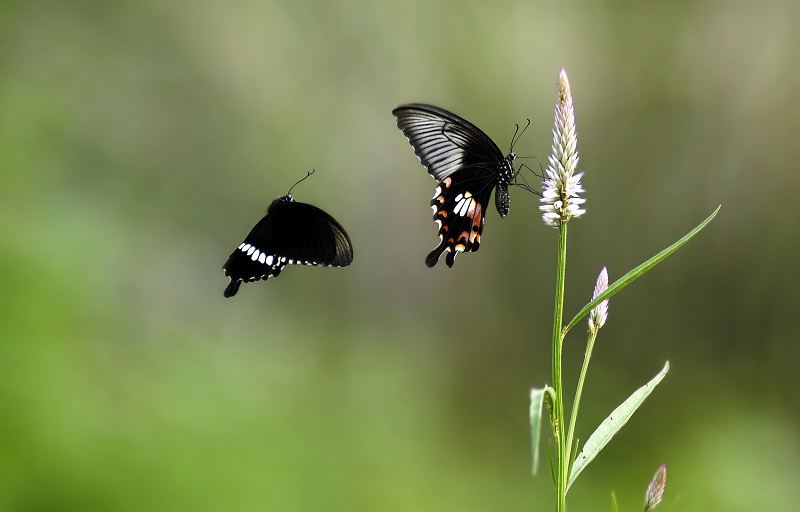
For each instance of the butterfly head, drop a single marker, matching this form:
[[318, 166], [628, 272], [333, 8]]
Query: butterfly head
[[283, 199]]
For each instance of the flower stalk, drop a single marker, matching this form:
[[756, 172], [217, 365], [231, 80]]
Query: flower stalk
[[562, 449]]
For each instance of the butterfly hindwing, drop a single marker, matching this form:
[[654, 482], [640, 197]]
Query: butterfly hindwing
[[290, 233], [459, 209], [253, 260]]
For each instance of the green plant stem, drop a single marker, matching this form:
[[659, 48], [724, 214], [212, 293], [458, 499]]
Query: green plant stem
[[577, 402], [562, 452]]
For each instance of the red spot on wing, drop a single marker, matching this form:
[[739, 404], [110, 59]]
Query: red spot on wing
[[477, 216]]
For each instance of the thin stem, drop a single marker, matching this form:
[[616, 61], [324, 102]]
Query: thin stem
[[562, 451], [574, 417]]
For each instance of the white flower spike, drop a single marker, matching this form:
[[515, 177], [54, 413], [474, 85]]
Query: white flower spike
[[560, 199], [600, 312]]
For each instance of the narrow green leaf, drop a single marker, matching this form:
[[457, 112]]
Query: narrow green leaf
[[537, 398], [614, 503], [636, 273], [611, 425], [574, 453]]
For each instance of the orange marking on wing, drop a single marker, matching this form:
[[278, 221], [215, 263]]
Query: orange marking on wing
[[476, 216], [447, 182], [440, 199], [442, 213], [461, 247], [463, 235]]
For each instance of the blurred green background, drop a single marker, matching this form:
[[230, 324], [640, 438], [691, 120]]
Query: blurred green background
[[140, 141]]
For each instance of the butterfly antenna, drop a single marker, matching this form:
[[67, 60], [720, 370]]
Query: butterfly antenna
[[306, 176], [516, 137]]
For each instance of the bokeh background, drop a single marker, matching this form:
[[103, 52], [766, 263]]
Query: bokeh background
[[140, 141]]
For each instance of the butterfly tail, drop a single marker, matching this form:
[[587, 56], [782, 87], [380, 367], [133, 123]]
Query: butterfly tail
[[232, 288], [433, 257]]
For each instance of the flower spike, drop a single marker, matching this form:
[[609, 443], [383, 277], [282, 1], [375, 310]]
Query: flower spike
[[600, 312], [560, 199], [655, 491]]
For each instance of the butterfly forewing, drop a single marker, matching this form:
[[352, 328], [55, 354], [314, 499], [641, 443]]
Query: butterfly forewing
[[290, 233], [444, 142], [306, 234]]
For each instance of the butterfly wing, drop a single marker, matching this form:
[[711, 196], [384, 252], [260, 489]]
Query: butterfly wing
[[307, 235], [445, 142], [459, 208], [290, 233]]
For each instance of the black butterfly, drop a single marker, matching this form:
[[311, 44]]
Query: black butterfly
[[291, 233], [467, 164]]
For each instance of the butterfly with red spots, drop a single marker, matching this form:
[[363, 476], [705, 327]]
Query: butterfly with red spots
[[467, 164]]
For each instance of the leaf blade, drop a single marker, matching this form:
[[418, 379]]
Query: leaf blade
[[637, 272], [537, 399], [611, 425]]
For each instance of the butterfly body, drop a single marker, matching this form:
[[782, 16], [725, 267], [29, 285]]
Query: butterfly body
[[291, 233], [467, 164]]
